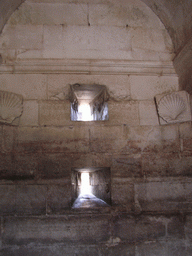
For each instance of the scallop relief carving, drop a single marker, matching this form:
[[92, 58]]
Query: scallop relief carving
[[174, 107], [11, 106]]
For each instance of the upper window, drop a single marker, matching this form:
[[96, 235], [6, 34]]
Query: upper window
[[89, 103]]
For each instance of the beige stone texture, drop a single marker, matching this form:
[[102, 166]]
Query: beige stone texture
[[29, 86], [53, 41], [118, 86], [147, 113], [147, 87], [50, 14], [30, 113], [145, 38], [123, 113], [8, 138], [107, 139], [14, 37], [55, 113], [97, 42], [121, 13]]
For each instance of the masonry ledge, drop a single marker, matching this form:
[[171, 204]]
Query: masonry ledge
[[86, 66]]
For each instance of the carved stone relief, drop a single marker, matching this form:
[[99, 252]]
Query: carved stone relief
[[173, 107], [11, 106]]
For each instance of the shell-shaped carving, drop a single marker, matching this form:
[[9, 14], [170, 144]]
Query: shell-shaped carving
[[171, 108], [11, 106]]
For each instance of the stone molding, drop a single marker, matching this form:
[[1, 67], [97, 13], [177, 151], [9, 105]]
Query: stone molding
[[86, 66]]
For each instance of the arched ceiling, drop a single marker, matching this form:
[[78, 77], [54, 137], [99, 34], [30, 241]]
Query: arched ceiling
[[174, 14]]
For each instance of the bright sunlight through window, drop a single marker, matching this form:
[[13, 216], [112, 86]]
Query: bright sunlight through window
[[85, 112], [85, 187]]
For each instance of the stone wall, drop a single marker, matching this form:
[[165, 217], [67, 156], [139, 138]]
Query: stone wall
[[150, 163]]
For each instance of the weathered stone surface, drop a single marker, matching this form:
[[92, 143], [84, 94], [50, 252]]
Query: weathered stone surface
[[14, 37], [163, 196], [65, 139], [58, 198], [175, 227], [30, 114], [51, 14], [126, 166], [122, 193], [30, 86], [123, 113], [55, 113], [57, 249], [80, 160], [125, 228], [107, 139], [148, 228], [171, 165], [7, 199], [96, 42], [144, 39], [148, 113], [8, 138], [54, 166], [151, 248], [31, 199], [68, 229], [188, 227], [117, 14], [146, 87]]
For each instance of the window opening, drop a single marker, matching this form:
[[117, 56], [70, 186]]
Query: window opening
[[91, 188], [89, 102]]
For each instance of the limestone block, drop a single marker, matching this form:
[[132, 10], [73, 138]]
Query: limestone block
[[25, 166], [28, 85], [125, 229], [65, 139], [175, 228], [151, 248], [6, 165], [8, 139], [122, 192], [148, 113], [147, 87], [55, 113], [126, 166], [31, 199], [188, 227], [96, 42], [56, 229], [81, 160], [53, 42], [161, 196], [185, 132], [7, 199], [55, 167], [59, 249], [106, 139], [174, 107], [122, 13], [50, 14], [145, 38], [30, 114], [58, 198], [118, 85], [123, 113], [148, 228], [14, 37]]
